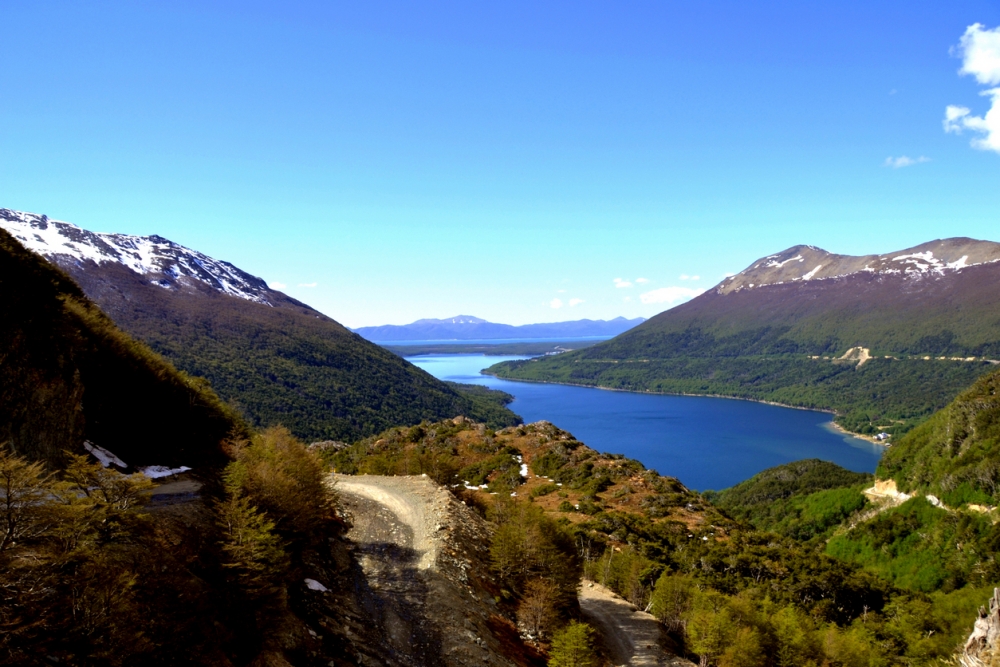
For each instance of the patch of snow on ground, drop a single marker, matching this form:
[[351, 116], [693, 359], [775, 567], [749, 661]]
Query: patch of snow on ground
[[156, 472], [314, 585], [812, 273], [778, 265], [959, 263], [104, 456]]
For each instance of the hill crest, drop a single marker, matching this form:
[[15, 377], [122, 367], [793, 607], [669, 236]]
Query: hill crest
[[806, 262]]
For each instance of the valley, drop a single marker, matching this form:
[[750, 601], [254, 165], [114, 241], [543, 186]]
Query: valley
[[468, 539]]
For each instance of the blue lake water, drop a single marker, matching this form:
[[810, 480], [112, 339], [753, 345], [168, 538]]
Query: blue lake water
[[707, 443]]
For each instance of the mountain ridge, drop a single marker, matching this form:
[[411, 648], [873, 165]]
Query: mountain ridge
[[273, 358], [806, 262], [466, 327]]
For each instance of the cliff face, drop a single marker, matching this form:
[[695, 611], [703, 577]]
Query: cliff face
[[983, 646]]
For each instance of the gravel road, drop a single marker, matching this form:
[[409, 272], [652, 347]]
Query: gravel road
[[424, 558], [631, 637]]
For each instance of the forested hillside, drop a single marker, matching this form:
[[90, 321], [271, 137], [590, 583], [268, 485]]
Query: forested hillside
[[271, 358], [956, 453], [759, 587], [70, 375], [883, 344]]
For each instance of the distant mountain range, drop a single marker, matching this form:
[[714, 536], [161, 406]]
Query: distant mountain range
[[883, 340], [466, 327], [273, 358]]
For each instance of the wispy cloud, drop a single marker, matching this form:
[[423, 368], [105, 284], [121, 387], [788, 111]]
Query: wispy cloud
[[670, 295], [980, 52], [685, 276], [575, 302], [622, 283], [556, 303], [642, 281], [308, 284], [277, 285], [904, 161]]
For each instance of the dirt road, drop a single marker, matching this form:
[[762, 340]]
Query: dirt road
[[424, 557], [631, 637]]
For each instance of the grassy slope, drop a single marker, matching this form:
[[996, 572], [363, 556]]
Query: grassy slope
[[285, 365], [70, 374]]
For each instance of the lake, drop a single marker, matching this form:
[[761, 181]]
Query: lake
[[707, 443]]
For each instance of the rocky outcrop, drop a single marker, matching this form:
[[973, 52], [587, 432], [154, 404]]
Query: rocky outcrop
[[983, 646]]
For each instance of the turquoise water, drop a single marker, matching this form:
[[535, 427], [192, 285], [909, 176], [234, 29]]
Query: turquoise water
[[707, 443]]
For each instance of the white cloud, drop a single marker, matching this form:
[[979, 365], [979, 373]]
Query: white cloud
[[556, 303], [277, 285], [642, 281], [622, 283], [685, 276], [904, 161], [575, 302], [308, 284], [980, 51], [670, 294]]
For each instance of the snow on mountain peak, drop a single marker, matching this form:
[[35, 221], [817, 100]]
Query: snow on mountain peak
[[809, 263], [164, 262]]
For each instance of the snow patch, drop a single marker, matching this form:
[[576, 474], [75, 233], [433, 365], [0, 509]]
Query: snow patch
[[812, 273], [314, 585], [104, 456], [156, 472], [778, 265]]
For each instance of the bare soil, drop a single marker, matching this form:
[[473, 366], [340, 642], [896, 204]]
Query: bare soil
[[424, 585]]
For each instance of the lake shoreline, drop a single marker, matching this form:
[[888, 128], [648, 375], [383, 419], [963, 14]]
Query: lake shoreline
[[834, 424], [708, 444]]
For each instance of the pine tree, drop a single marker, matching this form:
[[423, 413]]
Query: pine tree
[[573, 647]]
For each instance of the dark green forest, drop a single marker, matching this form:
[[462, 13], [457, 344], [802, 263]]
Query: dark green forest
[[283, 364], [956, 453], [69, 375]]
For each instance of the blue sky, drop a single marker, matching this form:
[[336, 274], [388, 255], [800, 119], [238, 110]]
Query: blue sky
[[389, 161]]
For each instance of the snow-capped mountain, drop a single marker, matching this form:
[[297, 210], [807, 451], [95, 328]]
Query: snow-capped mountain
[[466, 327], [273, 358], [805, 263], [162, 262]]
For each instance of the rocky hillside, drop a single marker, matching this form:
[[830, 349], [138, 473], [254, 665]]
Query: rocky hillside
[[272, 358], [883, 340], [807, 263]]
